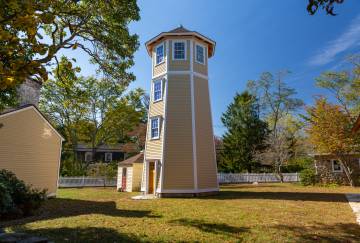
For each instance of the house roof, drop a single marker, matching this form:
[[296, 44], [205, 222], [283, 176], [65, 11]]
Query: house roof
[[181, 31], [356, 126], [10, 112], [139, 158]]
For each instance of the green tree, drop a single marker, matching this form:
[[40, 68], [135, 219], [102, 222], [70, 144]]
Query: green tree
[[32, 32], [8, 98], [277, 101], [111, 114], [63, 101], [245, 135]]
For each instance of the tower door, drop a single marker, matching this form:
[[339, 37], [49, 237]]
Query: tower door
[[123, 179], [151, 177]]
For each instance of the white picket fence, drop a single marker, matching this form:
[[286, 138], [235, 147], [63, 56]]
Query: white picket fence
[[224, 178], [83, 181]]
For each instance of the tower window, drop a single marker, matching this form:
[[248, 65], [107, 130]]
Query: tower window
[[179, 50], [159, 54], [157, 90], [155, 128], [200, 54]]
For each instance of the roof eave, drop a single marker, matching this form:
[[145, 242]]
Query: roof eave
[[193, 33]]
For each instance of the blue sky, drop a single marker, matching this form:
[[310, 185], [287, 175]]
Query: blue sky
[[252, 36]]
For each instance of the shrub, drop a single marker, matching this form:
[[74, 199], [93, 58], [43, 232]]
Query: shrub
[[308, 177], [17, 198]]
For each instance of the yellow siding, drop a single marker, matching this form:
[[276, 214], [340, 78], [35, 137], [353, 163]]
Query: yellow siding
[[30, 149], [136, 177], [160, 68], [206, 166], [198, 67], [179, 65], [154, 147], [178, 163]]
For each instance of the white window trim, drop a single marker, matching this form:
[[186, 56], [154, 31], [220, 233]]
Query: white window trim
[[173, 50], [159, 125], [204, 54], [86, 155], [111, 155], [153, 90], [332, 165], [163, 60]]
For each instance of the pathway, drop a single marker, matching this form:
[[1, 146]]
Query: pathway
[[354, 201]]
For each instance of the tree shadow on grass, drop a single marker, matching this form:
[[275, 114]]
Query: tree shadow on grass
[[214, 228], [323, 233], [293, 196], [62, 207], [81, 234]]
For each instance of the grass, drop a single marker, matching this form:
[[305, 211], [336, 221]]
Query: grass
[[240, 213]]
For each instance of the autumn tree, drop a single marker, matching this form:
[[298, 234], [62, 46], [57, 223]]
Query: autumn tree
[[277, 101], [32, 32], [330, 132], [245, 134], [344, 86], [327, 5]]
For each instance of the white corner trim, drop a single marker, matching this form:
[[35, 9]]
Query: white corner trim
[[193, 116], [173, 49], [161, 177]]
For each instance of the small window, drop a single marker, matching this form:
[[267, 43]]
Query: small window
[[336, 166], [200, 54], [159, 54], [179, 50], [88, 156], [108, 157], [157, 89], [155, 128]]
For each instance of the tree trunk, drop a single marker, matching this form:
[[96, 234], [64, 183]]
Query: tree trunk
[[347, 170]]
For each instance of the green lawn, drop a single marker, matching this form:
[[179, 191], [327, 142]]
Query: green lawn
[[247, 213]]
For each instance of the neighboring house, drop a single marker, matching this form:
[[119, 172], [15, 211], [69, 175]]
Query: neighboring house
[[329, 169], [129, 173], [103, 153], [30, 147], [356, 126], [179, 149]]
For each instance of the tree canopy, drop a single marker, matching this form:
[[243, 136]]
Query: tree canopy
[[32, 33], [327, 5]]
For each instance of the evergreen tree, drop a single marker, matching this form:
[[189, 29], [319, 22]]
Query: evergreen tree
[[245, 136]]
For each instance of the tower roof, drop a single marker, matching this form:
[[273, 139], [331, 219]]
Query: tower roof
[[181, 31]]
